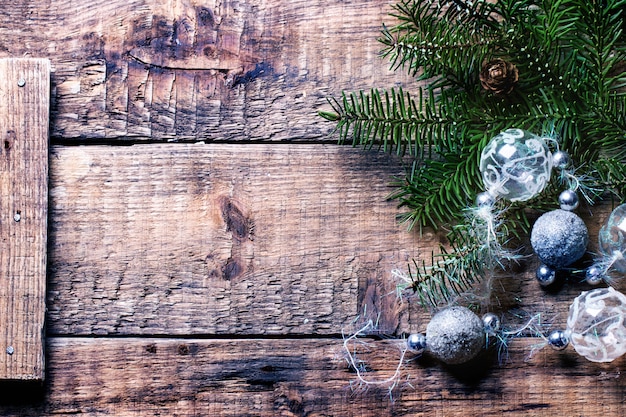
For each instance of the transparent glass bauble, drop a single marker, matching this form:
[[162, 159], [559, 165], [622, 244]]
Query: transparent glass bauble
[[612, 238], [596, 324], [515, 165]]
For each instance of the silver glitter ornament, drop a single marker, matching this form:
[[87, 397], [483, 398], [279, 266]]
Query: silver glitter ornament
[[568, 200], [455, 335], [416, 343], [558, 340], [545, 275], [559, 238]]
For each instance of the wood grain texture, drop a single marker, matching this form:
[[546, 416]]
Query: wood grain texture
[[24, 115], [307, 377], [204, 239], [196, 69]]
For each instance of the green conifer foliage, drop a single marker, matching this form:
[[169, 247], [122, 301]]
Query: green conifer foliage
[[569, 58]]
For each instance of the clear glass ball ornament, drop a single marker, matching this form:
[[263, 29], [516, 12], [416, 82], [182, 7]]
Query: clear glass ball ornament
[[515, 165], [612, 238], [596, 324]]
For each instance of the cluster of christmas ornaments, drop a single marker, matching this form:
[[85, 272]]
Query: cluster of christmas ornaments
[[517, 165]]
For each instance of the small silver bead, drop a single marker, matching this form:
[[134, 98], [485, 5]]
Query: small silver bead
[[558, 339], [484, 199], [568, 200], [560, 159], [416, 342], [492, 323], [593, 275], [545, 275]]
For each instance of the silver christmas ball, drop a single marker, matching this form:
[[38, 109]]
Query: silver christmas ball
[[416, 343], [558, 340], [559, 238], [491, 323], [455, 335], [594, 275], [568, 200], [560, 159], [484, 199], [545, 275]]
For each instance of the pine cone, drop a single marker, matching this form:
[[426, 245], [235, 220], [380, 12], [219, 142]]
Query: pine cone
[[499, 76]]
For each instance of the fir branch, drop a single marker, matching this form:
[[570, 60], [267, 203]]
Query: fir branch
[[476, 247], [571, 57]]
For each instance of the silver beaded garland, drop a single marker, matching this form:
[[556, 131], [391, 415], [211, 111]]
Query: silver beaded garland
[[545, 275], [568, 200], [594, 275], [484, 199], [560, 159], [416, 343], [558, 339], [492, 324]]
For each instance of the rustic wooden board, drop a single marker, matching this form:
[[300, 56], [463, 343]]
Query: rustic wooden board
[[211, 70], [229, 239], [307, 377], [24, 112], [204, 239]]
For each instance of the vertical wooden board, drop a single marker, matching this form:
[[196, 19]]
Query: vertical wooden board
[[24, 110]]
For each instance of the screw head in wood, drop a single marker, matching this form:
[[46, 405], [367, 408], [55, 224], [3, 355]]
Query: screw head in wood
[[21, 82], [10, 350]]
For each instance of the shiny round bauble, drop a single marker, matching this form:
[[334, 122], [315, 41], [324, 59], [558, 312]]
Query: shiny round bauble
[[559, 238], [484, 199], [455, 335], [416, 343], [612, 238], [594, 275], [560, 159], [596, 324], [558, 339], [491, 323], [545, 275], [568, 200], [515, 165]]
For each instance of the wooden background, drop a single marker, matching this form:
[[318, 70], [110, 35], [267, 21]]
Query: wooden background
[[209, 242]]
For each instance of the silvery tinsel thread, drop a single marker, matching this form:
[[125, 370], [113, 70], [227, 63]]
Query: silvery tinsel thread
[[455, 335], [559, 238]]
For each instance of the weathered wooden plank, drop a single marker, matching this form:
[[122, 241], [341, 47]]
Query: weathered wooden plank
[[210, 70], [305, 377], [256, 239], [201, 239], [24, 112]]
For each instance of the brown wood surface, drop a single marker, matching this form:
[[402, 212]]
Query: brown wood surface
[[220, 239], [306, 377], [24, 114], [192, 279], [200, 70]]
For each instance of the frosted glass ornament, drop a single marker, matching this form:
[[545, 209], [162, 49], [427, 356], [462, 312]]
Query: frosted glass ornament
[[515, 165], [596, 324], [612, 238]]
